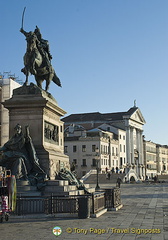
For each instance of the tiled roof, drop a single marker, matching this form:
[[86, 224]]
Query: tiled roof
[[97, 116]]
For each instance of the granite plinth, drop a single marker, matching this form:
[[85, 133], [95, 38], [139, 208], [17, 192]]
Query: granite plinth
[[32, 106]]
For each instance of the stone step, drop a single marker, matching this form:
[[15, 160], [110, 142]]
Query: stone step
[[90, 190], [70, 193], [57, 183], [56, 189], [87, 185], [26, 188], [29, 194], [22, 183], [103, 179]]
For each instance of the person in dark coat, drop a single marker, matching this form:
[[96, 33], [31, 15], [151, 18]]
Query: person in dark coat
[[119, 182]]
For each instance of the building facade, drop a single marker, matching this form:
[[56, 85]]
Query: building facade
[[120, 152], [130, 149], [150, 159], [6, 90], [156, 159], [91, 149], [162, 159]]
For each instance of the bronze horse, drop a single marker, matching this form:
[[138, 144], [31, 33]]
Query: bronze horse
[[37, 63]]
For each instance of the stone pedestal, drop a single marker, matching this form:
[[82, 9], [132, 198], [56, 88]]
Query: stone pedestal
[[32, 106]]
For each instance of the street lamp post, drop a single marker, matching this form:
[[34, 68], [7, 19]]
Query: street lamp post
[[97, 168]]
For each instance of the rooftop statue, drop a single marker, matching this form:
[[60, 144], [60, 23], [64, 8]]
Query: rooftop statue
[[19, 156], [37, 59]]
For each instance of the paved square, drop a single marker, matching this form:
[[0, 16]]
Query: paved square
[[143, 216]]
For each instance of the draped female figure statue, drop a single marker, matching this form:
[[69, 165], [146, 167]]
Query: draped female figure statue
[[19, 156]]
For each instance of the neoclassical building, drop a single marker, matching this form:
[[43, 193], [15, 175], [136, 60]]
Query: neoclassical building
[[131, 122]]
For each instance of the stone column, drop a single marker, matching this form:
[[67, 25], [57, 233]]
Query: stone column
[[132, 145], [128, 145], [140, 150], [141, 147]]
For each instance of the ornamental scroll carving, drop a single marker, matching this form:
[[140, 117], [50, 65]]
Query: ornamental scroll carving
[[51, 133]]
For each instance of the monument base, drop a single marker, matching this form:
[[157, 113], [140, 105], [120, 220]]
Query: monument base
[[32, 106]]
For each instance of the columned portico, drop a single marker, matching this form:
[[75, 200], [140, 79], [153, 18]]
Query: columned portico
[[134, 142]]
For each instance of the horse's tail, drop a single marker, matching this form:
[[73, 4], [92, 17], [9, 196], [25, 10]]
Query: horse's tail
[[56, 80]]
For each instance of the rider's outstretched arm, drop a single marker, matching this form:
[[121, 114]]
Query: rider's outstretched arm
[[24, 32]]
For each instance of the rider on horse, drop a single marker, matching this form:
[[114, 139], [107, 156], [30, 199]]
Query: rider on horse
[[42, 45], [37, 59]]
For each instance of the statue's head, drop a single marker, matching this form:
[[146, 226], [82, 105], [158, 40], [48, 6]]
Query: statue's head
[[38, 33], [18, 128]]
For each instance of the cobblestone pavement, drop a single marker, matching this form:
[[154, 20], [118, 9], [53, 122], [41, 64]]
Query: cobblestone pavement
[[144, 216]]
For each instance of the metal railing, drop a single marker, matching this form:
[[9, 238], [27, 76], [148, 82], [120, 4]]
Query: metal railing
[[91, 203], [112, 198], [48, 205], [31, 205], [64, 204], [98, 202]]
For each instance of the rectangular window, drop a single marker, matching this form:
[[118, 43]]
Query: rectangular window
[[83, 148], [121, 161], [74, 148], [65, 149], [113, 151], [94, 162], [93, 148], [120, 148], [83, 162], [75, 161]]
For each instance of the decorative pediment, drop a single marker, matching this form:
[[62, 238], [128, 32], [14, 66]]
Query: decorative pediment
[[137, 116]]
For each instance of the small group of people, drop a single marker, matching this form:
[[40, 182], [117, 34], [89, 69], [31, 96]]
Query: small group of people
[[114, 170]]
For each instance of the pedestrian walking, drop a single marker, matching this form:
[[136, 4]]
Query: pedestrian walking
[[118, 183]]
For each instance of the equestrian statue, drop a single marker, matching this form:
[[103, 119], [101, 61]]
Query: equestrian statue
[[37, 59]]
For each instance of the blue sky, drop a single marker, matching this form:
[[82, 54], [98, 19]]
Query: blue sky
[[107, 53]]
